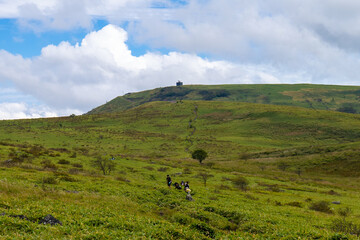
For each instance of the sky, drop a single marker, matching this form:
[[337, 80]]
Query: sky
[[63, 57]]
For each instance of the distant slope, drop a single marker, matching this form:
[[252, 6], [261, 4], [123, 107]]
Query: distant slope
[[319, 97], [231, 132]]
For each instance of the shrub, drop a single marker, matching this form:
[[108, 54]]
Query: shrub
[[36, 150], [244, 156], [131, 169], [216, 93], [210, 209], [223, 187], [187, 171], [165, 191], [204, 176], [274, 188], [104, 164], [200, 216], [47, 164], [8, 163], [294, 204], [347, 108], [332, 192], [233, 216], [122, 179], [342, 225], [321, 206], [63, 161], [163, 169], [49, 180], [74, 170], [248, 196], [338, 236], [18, 157], [344, 212], [67, 178], [181, 218], [77, 165], [2, 205], [204, 229], [241, 183]]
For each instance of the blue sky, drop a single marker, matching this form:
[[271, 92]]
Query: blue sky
[[59, 57], [29, 43]]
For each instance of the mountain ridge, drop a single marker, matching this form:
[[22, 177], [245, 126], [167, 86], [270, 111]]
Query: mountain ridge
[[318, 97]]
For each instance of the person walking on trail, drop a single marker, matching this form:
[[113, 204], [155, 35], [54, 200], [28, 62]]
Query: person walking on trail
[[168, 180], [177, 185]]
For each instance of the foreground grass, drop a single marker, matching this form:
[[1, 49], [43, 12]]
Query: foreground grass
[[139, 205]]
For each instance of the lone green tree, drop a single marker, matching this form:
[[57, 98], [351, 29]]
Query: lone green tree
[[199, 155], [104, 164]]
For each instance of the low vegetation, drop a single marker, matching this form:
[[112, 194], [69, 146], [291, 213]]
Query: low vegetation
[[104, 176]]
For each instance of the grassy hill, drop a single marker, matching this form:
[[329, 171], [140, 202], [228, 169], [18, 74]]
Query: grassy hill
[[297, 161], [321, 97]]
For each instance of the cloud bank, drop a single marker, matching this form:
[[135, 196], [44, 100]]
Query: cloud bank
[[23, 110], [313, 37], [101, 67], [258, 41]]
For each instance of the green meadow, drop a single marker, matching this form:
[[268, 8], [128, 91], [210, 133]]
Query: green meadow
[[273, 172]]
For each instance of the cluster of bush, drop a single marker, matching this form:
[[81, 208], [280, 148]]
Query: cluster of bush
[[171, 93], [211, 94]]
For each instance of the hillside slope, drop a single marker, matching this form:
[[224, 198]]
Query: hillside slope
[[321, 97], [227, 130], [47, 167]]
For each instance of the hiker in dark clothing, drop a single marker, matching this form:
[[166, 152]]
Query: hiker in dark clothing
[[168, 180], [177, 186]]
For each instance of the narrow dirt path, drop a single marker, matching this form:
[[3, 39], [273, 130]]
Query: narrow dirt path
[[193, 127]]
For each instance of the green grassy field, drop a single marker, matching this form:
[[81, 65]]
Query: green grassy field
[[292, 157]]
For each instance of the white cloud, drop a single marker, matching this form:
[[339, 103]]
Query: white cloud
[[101, 67], [258, 41], [22, 110], [294, 37], [316, 37], [43, 15]]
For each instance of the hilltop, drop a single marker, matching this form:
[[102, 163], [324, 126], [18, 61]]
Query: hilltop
[[297, 164], [320, 97]]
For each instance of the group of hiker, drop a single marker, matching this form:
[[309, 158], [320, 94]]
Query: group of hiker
[[177, 185]]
